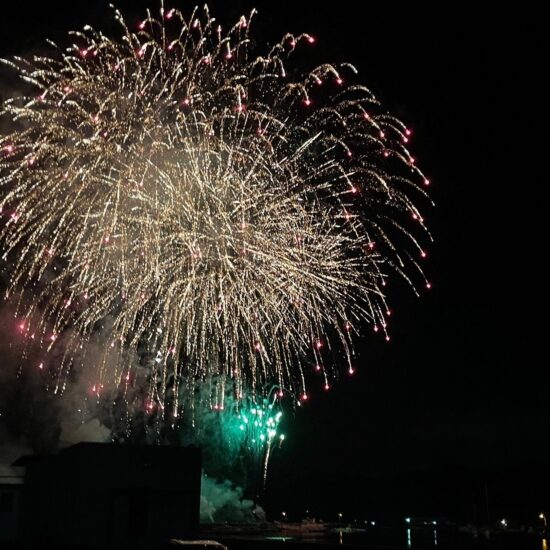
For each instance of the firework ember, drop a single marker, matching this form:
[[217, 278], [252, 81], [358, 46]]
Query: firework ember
[[170, 186]]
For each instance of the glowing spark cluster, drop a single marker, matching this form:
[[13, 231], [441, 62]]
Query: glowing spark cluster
[[237, 432], [252, 422], [254, 428], [169, 186]]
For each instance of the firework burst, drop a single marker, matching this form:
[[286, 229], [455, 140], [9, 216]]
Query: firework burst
[[169, 186]]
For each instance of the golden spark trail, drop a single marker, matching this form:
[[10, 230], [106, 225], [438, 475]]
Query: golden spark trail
[[170, 186]]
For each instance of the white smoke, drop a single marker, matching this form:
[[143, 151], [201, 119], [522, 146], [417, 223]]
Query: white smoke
[[90, 431], [221, 501], [9, 453]]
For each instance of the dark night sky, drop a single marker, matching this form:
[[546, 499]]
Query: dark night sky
[[464, 384]]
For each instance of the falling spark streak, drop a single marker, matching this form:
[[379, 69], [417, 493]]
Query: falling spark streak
[[169, 186]]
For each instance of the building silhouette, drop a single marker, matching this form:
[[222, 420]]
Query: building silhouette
[[103, 496]]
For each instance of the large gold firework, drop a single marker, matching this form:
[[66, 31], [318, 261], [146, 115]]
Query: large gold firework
[[167, 186]]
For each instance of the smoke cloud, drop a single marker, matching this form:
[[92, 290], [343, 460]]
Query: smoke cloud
[[35, 419], [221, 501]]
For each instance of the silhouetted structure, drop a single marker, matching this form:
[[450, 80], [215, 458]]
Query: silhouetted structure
[[102, 496], [10, 496]]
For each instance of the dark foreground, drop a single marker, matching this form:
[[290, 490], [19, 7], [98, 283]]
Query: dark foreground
[[380, 539], [388, 541]]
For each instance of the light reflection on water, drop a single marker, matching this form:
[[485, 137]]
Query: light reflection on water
[[426, 539], [410, 539]]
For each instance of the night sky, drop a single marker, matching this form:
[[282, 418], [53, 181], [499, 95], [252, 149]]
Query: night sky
[[459, 398]]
